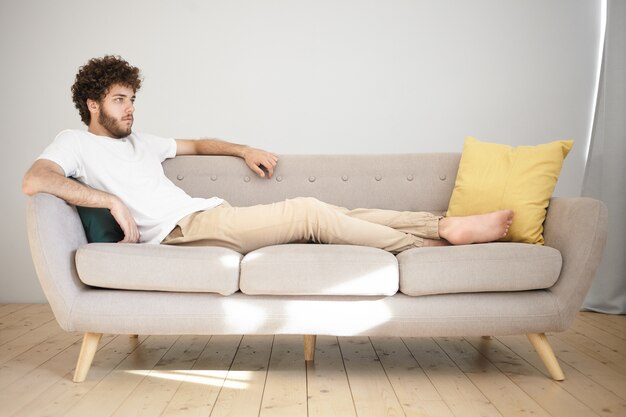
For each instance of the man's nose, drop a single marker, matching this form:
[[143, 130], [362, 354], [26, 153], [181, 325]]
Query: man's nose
[[131, 108]]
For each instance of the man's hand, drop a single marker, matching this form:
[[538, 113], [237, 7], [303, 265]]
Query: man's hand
[[258, 159], [122, 216]]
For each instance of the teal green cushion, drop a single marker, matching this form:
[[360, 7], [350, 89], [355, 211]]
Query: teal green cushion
[[99, 225]]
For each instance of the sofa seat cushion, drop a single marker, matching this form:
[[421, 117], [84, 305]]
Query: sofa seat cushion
[[478, 268], [310, 269], [159, 267]]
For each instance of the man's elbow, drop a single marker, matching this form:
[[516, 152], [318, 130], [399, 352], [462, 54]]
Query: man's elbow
[[42, 176], [32, 182], [28, 185]]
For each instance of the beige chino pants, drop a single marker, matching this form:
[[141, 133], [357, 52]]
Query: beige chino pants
[[300, 220]]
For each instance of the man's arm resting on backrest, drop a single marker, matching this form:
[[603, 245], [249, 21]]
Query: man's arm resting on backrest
[[254, 158]]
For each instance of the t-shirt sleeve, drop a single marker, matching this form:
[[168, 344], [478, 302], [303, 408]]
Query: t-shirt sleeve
[[164, 148], [64, 151]]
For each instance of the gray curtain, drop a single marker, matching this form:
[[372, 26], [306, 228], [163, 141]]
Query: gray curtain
[[605, 173]]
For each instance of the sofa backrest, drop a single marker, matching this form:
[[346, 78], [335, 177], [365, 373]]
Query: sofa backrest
[[418, 182]]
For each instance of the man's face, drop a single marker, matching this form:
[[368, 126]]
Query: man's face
[[115, 115]]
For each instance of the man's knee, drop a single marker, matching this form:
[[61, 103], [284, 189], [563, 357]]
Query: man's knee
[[310, 210], [309, 204]]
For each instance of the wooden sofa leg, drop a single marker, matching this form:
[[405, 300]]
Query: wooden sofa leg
[[542, 346], [309, 347], [87, 352]]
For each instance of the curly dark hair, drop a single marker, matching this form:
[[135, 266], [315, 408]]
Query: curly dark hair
[[95, 78]]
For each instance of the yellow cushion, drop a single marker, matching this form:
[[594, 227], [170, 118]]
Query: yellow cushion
[[496, 177]]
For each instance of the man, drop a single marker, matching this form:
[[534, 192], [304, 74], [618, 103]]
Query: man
[[120, 170]]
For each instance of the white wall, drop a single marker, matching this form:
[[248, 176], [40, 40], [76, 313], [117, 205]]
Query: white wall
[[343, 76]]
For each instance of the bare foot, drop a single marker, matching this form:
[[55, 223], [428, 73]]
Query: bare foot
[[480, 228]]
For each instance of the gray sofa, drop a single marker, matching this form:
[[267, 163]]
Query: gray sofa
[[487, 289]]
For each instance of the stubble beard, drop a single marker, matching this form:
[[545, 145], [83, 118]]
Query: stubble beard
[[113, 126]]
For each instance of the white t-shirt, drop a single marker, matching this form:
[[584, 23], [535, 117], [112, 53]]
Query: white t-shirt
[[129, 168]]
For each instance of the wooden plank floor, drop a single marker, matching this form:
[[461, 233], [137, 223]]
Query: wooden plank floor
[[266, 375]]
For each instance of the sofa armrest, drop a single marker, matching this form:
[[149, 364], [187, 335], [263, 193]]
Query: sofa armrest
[[55, 232], [577, 227]]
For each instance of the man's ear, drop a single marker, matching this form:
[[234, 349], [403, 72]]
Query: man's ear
[[93, 106]]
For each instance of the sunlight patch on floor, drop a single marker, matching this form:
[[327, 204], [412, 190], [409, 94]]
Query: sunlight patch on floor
[[226, 379]]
